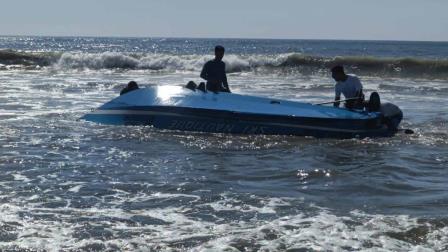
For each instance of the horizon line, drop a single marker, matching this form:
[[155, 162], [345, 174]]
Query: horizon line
[[230, 37]]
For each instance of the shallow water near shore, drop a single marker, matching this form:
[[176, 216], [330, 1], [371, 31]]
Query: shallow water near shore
[[71, 185]]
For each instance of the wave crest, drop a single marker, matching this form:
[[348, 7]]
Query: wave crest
[[110, 60], [11, 57], [371, 65], [364, 65]]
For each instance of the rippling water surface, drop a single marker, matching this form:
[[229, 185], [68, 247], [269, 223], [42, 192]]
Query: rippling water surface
[[72, 185]]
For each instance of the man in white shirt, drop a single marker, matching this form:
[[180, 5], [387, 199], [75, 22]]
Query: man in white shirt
[[350, 86]]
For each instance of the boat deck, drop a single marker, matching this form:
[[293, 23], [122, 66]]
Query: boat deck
[[177, 96]]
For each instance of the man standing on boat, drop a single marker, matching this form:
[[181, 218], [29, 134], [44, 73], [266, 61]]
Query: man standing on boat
[[214, 72], [350, 86]]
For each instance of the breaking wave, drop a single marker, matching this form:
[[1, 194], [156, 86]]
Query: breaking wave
[[110, 60], [427, 68], [373, 65], [11, 57]]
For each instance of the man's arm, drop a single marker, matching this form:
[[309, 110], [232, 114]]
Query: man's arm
[[360, 94], [204, 72], [337, 97], [224, 82], [336, 104]]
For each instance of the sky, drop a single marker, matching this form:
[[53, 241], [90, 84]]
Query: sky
[[279, 19]]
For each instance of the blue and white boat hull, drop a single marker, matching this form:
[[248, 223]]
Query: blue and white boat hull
[[178, 108]]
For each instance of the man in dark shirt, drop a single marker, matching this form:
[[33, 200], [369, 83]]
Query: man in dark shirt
[[214, 72]]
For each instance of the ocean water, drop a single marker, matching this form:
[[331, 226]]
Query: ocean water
[[71, 185]]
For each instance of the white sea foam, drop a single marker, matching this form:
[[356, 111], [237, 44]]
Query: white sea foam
[[230, 204], [75, 189], [319, 229], [329, 232], [21, 177]]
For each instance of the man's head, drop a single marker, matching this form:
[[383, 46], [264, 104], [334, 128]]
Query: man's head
[[338, 73], [132, 85], [219, 52]]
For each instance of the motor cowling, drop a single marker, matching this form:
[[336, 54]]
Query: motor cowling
[[392, 115]]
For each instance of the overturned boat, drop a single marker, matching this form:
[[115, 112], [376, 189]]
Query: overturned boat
[[180, 108]]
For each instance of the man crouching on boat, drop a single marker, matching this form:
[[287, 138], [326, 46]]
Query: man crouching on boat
[[214, 72], [350, 86]]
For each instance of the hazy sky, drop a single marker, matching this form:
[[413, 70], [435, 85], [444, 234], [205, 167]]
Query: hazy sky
[[307, 19]]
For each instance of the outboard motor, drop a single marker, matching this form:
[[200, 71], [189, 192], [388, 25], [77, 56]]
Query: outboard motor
[[392, 115], [374, 104]]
